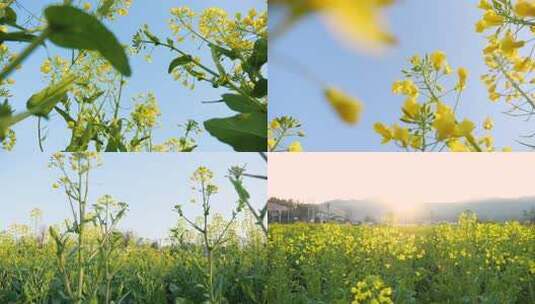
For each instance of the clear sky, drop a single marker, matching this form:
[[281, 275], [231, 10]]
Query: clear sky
[[151, 183], [401, 178], [177, 103], [421, 27]]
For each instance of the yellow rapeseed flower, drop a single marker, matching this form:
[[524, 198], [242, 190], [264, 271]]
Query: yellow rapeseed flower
[[509, 46], [463, 75], [491, 18], [359, 23], [122, 12], [384, 131], [525, 8], [484, 4], [46, 67], [295, 147], [275, 124], [401, 134], [438, 59], [444, 122], [488, 124], [411, 108], [347, 107], [456, 146], [465, 128], [405, 87]]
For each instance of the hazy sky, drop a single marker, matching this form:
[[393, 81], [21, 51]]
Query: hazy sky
[[151, 183], [177, 103], [401, 178], [421, 27]]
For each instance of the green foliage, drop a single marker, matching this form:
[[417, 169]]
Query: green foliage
[[66, 27], [241, 104], [244, 132], [182, 60], [239, 53], [73, 28], [9, 16], [143, 273], [40, 104]]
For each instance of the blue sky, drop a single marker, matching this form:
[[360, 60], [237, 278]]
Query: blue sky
[[421, 27], [177, 103], [151, 183]]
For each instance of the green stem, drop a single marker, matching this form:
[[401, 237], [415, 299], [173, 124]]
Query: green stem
[[206, 69], [515, 85], [278, 141], [473, 143]]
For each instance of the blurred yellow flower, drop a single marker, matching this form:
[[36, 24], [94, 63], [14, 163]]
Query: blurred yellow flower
[[525, 8], [347, 107], [488, 124], [384, 131], [444, 122], [465, 128], [457, 146], [438, 59], [463, 75], [358, 22], [401, 134], [275, 124], [295, 147], [509, 46], [411, 108]]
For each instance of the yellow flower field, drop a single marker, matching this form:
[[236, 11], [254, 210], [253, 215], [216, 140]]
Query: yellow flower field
[[467, 262]]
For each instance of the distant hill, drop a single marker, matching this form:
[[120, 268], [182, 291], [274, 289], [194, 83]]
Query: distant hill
[[497, 209]]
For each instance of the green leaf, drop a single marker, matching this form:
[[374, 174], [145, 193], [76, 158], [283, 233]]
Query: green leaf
[[151, 37], [68, 118], [189, 149], [244, 132], [104, 9], [40, 104], [260, 53], [9, 16], [82, 143], [73, 28], [5, 109], [232, 55], [5, 114], [242, 104], [182, 60], [93, 97], [16, 36], [242, 192], [261, 88], [115, 138]]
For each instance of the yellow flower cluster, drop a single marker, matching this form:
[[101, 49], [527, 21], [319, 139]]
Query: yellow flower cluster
[[372, 290], [215, 25], [405, 256], [508, 53], [432, 124], [119, 8], [146, 112], [9, 141], [282, 128]]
